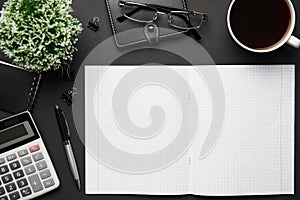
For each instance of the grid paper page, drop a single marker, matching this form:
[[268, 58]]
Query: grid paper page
[[204, 130], [255, 152], [122, 157]]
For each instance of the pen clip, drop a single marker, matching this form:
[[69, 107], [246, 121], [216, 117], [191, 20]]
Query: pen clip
[[63, 124], [66, 124]]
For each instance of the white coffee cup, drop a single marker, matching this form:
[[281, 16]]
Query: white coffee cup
[[287, 38]]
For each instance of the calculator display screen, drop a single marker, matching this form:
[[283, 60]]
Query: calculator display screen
[[15, 134]]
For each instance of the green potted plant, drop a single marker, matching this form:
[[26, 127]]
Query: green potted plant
[[39, 34]]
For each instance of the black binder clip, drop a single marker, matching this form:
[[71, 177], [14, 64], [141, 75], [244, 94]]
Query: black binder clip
[[93, 24], [68, 95], [66, 72]]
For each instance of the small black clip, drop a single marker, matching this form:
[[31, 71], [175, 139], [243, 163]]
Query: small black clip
[[66, 72], [68, 95], [93, 24]]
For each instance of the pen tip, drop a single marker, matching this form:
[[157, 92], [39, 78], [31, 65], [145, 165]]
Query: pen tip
[[78, 184], [56, 106]]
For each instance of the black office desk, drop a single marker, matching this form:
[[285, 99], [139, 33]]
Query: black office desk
[[216, 40]]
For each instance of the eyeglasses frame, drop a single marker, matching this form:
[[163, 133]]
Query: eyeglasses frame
[[162, 10]]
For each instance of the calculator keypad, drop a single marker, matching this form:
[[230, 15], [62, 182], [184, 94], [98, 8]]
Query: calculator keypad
[[38, 156], [18, 174], [48, 183], [35, 183], [26, 161], [23, 152], [30, 170], [7, 178], [11, 187], [4, 198], [3, 169], [34, 148], [41, 165], [24, 173], [14, 196], [11, 157], [45, 174], [22, 183], [2, 191], [15, 165], [26, 191]]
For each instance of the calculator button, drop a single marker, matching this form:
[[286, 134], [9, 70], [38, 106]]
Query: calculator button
[[4, 169], [35, 183], [30, 169], [45, 174], [41, 165], [11, 157], [14, 196], [11, 187], [2, 161], [7, 178], [34, 148], [48, 183], [22, 183], [26, 191], [38, 156], [14, 165], [4, 198], [2, 192], [18, 174], [26, 161], [23, 152]]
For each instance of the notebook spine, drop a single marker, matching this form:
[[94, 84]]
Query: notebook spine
[[33, 91]]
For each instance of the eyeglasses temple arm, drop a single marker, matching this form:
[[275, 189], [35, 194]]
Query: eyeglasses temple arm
[[123, 18], [193, 31], [196, 34]]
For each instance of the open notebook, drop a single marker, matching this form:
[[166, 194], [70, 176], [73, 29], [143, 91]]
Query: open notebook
[[203, 130]]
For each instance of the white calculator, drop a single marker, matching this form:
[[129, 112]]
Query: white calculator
[[26, 170]]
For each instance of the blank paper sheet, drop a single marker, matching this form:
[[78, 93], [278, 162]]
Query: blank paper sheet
[[219, 130]]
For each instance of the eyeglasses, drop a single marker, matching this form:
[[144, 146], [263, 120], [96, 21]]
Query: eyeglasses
[[148, 13]]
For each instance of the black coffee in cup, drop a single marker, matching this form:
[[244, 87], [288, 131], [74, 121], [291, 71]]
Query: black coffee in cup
[[260, 24]]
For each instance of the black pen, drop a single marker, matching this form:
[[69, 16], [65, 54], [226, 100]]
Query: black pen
[[66, 136]]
